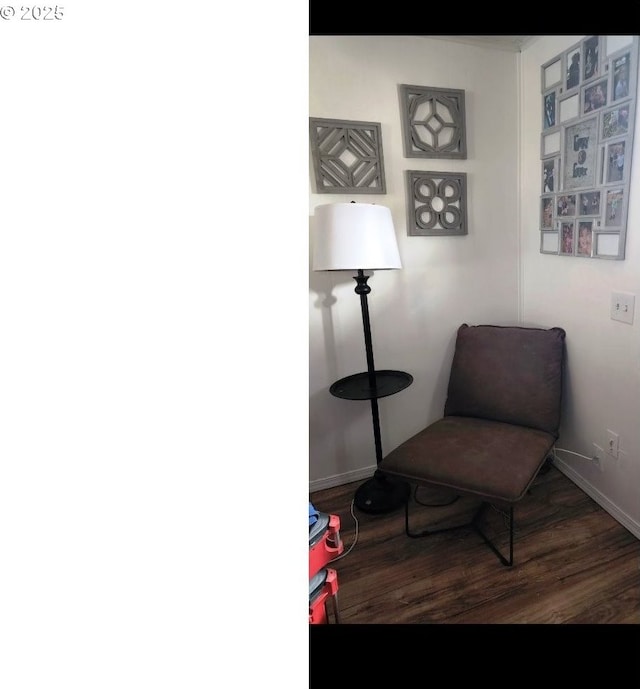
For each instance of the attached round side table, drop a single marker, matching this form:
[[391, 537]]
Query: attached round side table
[[363, 386], [380, 494]]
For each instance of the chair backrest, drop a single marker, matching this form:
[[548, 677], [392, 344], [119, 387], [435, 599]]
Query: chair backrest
[[511, 374]]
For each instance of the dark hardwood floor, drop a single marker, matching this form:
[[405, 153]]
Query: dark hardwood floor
[[573, 562]]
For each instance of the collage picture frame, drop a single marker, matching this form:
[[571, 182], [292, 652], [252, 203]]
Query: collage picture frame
[[588, 108]]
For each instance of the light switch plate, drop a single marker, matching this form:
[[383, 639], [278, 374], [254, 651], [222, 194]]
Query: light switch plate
[[622, 306]]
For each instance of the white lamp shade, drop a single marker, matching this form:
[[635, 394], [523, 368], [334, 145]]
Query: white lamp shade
[[354, 236]]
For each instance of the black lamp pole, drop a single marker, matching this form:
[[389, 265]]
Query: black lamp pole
[[381, 493], [362, 289]]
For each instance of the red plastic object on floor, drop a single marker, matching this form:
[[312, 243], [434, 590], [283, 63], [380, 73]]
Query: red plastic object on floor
[[322, 587], [325, 543]]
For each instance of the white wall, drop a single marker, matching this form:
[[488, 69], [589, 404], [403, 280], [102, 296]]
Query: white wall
[[445, 281], [603, 356]]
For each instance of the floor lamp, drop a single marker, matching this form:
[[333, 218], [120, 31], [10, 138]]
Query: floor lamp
[[358, 237]]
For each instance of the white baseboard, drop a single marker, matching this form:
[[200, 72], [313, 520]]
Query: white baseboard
[[341, 479], [602, 500]]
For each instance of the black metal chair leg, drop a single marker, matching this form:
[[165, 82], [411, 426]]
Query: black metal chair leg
[[474, 524]]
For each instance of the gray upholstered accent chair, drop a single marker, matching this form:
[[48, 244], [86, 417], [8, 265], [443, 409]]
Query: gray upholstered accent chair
[[501, 420]]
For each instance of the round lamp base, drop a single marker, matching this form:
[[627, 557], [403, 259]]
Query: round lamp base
[[381, 495]]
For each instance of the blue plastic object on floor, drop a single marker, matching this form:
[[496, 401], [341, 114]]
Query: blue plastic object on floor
[[313, 515]]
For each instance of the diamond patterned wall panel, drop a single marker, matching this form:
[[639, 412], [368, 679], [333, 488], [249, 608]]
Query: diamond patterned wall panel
[[347, 156]]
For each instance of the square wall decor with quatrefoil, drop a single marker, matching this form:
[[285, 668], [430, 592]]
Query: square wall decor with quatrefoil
[[436, 203], [347, 156], [433, 122]]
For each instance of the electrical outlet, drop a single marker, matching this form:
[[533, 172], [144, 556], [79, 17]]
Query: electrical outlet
[[612, 443], [622, 306], [598, 456]]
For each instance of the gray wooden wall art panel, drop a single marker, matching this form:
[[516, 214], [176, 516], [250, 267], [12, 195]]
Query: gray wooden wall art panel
[[347, 156], [588, 105], [436, 203], [433, 122]]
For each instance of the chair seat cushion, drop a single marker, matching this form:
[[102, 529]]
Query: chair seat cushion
[[493, 460]]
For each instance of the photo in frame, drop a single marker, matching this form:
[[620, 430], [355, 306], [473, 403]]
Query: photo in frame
[[580, 160], [589, 203], [566, 205], [566, 237], [546, 213], [585, 238], [549, 174], [591, 58], [621, 77], [614, 207], [615, 122], [550, 110], [573, 68], [594, 96], [615, 162]]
